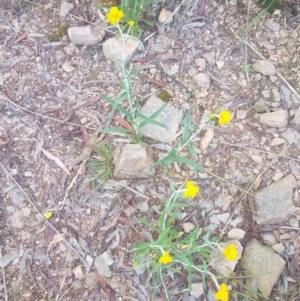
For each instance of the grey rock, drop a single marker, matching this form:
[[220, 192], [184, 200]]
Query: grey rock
[[271, 24], [197, 290], [170, 117], [276, 95], [210, 57], [266, 93], [144, 206], [289, 136], [257, 77], [102, 266], [241, 114], [6, 259], [263, 264], [274, 203], [268, 45], [275, 119], [88, 35], [223, 217], [286, 92], [133, 161], [269, 238], [236, 234], [277, 141], [297, 116], [294, 222], [264, 67], [65, 8], [202, 80], [294, 168]]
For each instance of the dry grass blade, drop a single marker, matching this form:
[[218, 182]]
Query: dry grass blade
[[56, 160], [4, 282]]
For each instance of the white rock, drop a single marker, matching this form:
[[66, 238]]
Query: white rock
[[236, 234], [202, 80], [165, 16], [188, 227], [65, 8], [197, 290], [279, 248], [220, 64], [201, 63], [206, 140], [268, 45], [241, 114], [67, 67], [294, 222], [144, 206], [88, 35], [78, 273], [223, 217], [277, 141], [115, 50], [275, 119], [256, 158], [297, 116], [277, 176], [210, 57], [266, 93], [102, 267], [264, 67], [271, 24], [276, 95]]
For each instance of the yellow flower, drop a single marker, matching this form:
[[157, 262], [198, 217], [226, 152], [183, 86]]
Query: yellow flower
[[114, 15], [222, 293], [224, 117], [48, 214], [230, 252], [212, 116], [191, 190], [131, 23], [165, 258]]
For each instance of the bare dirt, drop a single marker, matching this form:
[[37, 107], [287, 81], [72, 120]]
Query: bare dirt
[[44, 108]]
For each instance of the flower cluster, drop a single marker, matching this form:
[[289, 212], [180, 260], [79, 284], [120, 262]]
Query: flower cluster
[[191, 190], [222, 294], [114, 15], [223, 117], [230, 252], [48, 215], [165, 258]]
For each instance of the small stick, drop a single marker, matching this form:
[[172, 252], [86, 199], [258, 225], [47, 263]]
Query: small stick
[[261, 151], [131, 189]]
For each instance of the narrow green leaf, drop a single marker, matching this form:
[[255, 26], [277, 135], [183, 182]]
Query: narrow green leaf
[[149, 120], [189, 162], [187, 120], [168, 159], [193, 151], [115, 131], [155, 114]]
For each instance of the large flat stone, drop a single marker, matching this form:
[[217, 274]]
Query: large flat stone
[[133, 161], [275, 119], [263, 264], [275, 202], [169, 117]]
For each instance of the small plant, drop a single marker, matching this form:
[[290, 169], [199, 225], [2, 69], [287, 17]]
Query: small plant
[[247, 68], [130, 15], [100, 165], [169, 251]]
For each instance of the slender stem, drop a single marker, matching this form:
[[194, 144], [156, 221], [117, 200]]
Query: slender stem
[[201, 271]]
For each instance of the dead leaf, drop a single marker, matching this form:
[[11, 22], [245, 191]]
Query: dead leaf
[[110, 224], [156, 82], [102, 284], [49, 235], [166, 57], [56, 160], [28, 270], [20, 38], [257, 183], [124, 123], [85, 135]]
